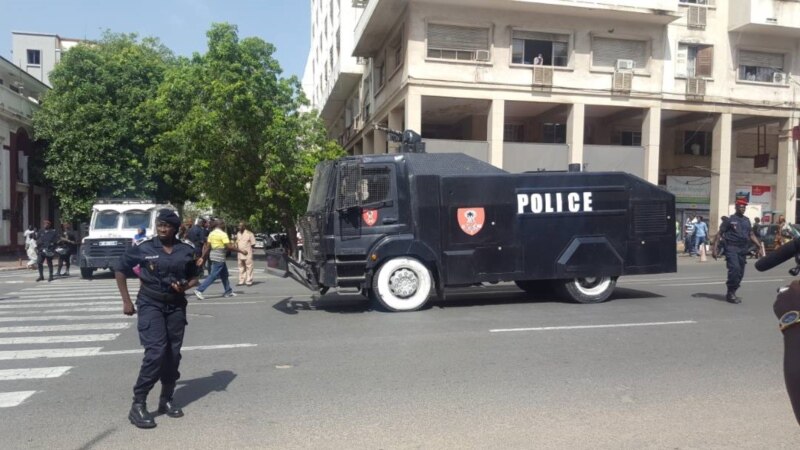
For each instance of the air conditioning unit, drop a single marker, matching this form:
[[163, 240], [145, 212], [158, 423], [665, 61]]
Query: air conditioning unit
[[697, 16], [695, 87], [625, 64], [779, 78], [623, 82], [482, 55], [542, 76]]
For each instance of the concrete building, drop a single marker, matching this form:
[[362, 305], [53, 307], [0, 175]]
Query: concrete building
[[694, 95], [22, 201], [38, 53]]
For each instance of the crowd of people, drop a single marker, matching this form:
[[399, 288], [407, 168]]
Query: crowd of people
[[42, 245]]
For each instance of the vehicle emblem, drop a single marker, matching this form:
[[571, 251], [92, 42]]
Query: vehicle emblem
[[370, 216], [471, 220]]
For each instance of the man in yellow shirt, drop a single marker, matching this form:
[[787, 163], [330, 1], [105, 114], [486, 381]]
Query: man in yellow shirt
[[218, 242], [245, 240]]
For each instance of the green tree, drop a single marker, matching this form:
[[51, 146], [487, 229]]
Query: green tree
[[92, 123], [231, 130]]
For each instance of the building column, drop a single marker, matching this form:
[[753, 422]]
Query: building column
[[787, 172], [379, 145], [651, 141], [575, 125], [395, 123], [494, 131], [366, 144], [720, 170], [413, 111]]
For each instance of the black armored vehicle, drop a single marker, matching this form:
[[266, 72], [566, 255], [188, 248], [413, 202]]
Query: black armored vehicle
[[400, 226]]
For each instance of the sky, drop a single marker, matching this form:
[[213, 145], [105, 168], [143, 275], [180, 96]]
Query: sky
[[180, 24]]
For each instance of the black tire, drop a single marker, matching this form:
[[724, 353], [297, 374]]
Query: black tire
[[86, 273], [535, 287], [402, 284], [587, 290]]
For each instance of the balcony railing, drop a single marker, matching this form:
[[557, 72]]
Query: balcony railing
[[14, 104]]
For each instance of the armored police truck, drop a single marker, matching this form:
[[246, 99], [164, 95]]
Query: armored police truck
[[111, 230], [398, 227]]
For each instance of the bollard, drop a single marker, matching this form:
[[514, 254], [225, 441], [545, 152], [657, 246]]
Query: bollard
[[702, 252]]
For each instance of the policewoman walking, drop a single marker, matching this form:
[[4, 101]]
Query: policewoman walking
[[168, 268]]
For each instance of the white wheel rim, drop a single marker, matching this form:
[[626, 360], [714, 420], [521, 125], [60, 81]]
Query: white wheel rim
[[592, 286], [403, 284]]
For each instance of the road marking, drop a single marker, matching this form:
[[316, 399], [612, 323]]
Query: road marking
[[183, 349], [223, 303], [70, 310], [78, 294], [33, 374], [11, 399], [586, 327], [58, 339], [777, 280], [74, 327], [21, 305], [13, 282], [49, 353], [49, 318], [48, 299]]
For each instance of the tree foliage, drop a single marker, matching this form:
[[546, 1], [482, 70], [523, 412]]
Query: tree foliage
[[229, 127], [91, 121]]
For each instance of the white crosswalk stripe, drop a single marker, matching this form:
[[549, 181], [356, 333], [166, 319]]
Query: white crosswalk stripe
[[58, 339], [6, 355], [74, 327], [33, 374], [3, 305], [52, 318], [10, 399]]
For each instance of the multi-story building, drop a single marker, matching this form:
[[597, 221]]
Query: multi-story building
[[695, 95], [38, 53], [22, 201]]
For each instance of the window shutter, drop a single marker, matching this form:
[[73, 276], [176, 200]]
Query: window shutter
[[606, 52], [705, 61], [759, 59], [532, 35], [452, 37], [680, 60]]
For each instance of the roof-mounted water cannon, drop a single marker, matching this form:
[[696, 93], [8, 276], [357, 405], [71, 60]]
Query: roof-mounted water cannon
[[410, 141]]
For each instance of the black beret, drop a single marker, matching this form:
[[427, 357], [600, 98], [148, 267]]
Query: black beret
[[169, 216]]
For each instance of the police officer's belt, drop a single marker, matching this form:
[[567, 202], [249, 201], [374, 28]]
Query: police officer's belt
[[166, 297]]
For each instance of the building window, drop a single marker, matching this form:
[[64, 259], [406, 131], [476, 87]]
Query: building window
[[627, 138], [554, 133], [694, 61], [697, 143], [380, 74], [539, 48], [762, 67], [698, 2], [34, 57], [606, 52], [513, 132], [457, 42]]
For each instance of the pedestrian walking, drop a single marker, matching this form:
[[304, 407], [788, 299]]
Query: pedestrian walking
[[45, 246], [168, 269], [197, 236], [688, 237], [67, 246], [30, 246], [218, 243], [245, 240], [700, 234], [737, 235]]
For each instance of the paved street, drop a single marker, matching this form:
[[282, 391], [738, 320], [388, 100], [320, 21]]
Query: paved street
[[665, 364]]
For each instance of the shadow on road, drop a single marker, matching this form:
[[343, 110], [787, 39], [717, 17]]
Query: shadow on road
[[99, 438], [191, 390], [455, 298], [718, 297]]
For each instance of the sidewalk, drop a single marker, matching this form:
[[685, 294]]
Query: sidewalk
[[12, 262]]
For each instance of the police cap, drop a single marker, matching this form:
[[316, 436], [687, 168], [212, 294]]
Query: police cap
[[169, 216]]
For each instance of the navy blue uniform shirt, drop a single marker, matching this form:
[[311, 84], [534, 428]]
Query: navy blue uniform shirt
[[736, 231], [160, 269]]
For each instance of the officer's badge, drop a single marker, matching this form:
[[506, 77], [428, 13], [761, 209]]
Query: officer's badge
[[369, 216], [151, 266], [471, 220]]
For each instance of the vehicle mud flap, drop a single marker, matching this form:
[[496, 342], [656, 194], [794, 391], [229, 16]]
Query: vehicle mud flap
[[281, 265]]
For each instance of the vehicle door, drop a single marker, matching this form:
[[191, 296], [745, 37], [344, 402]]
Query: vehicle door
[[366, 203]]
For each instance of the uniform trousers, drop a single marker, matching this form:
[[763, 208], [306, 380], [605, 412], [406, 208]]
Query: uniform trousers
[[161, 327], [736, 259], [246, 269]]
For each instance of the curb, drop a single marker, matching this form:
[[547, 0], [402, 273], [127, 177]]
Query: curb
[[9, 269]]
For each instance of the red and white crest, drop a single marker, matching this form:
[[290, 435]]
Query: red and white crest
[[369, 216], [471, 220]]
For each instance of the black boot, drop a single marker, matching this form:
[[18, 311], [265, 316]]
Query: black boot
[[139, 415], [165, 405], [732, 298]]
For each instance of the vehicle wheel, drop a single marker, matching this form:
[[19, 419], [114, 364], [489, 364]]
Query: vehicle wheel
[[589, 289], [86, 273], [535, 287], [402, 284]]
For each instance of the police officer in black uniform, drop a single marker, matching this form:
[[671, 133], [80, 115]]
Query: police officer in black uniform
[[737, 235], [168, 268]]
